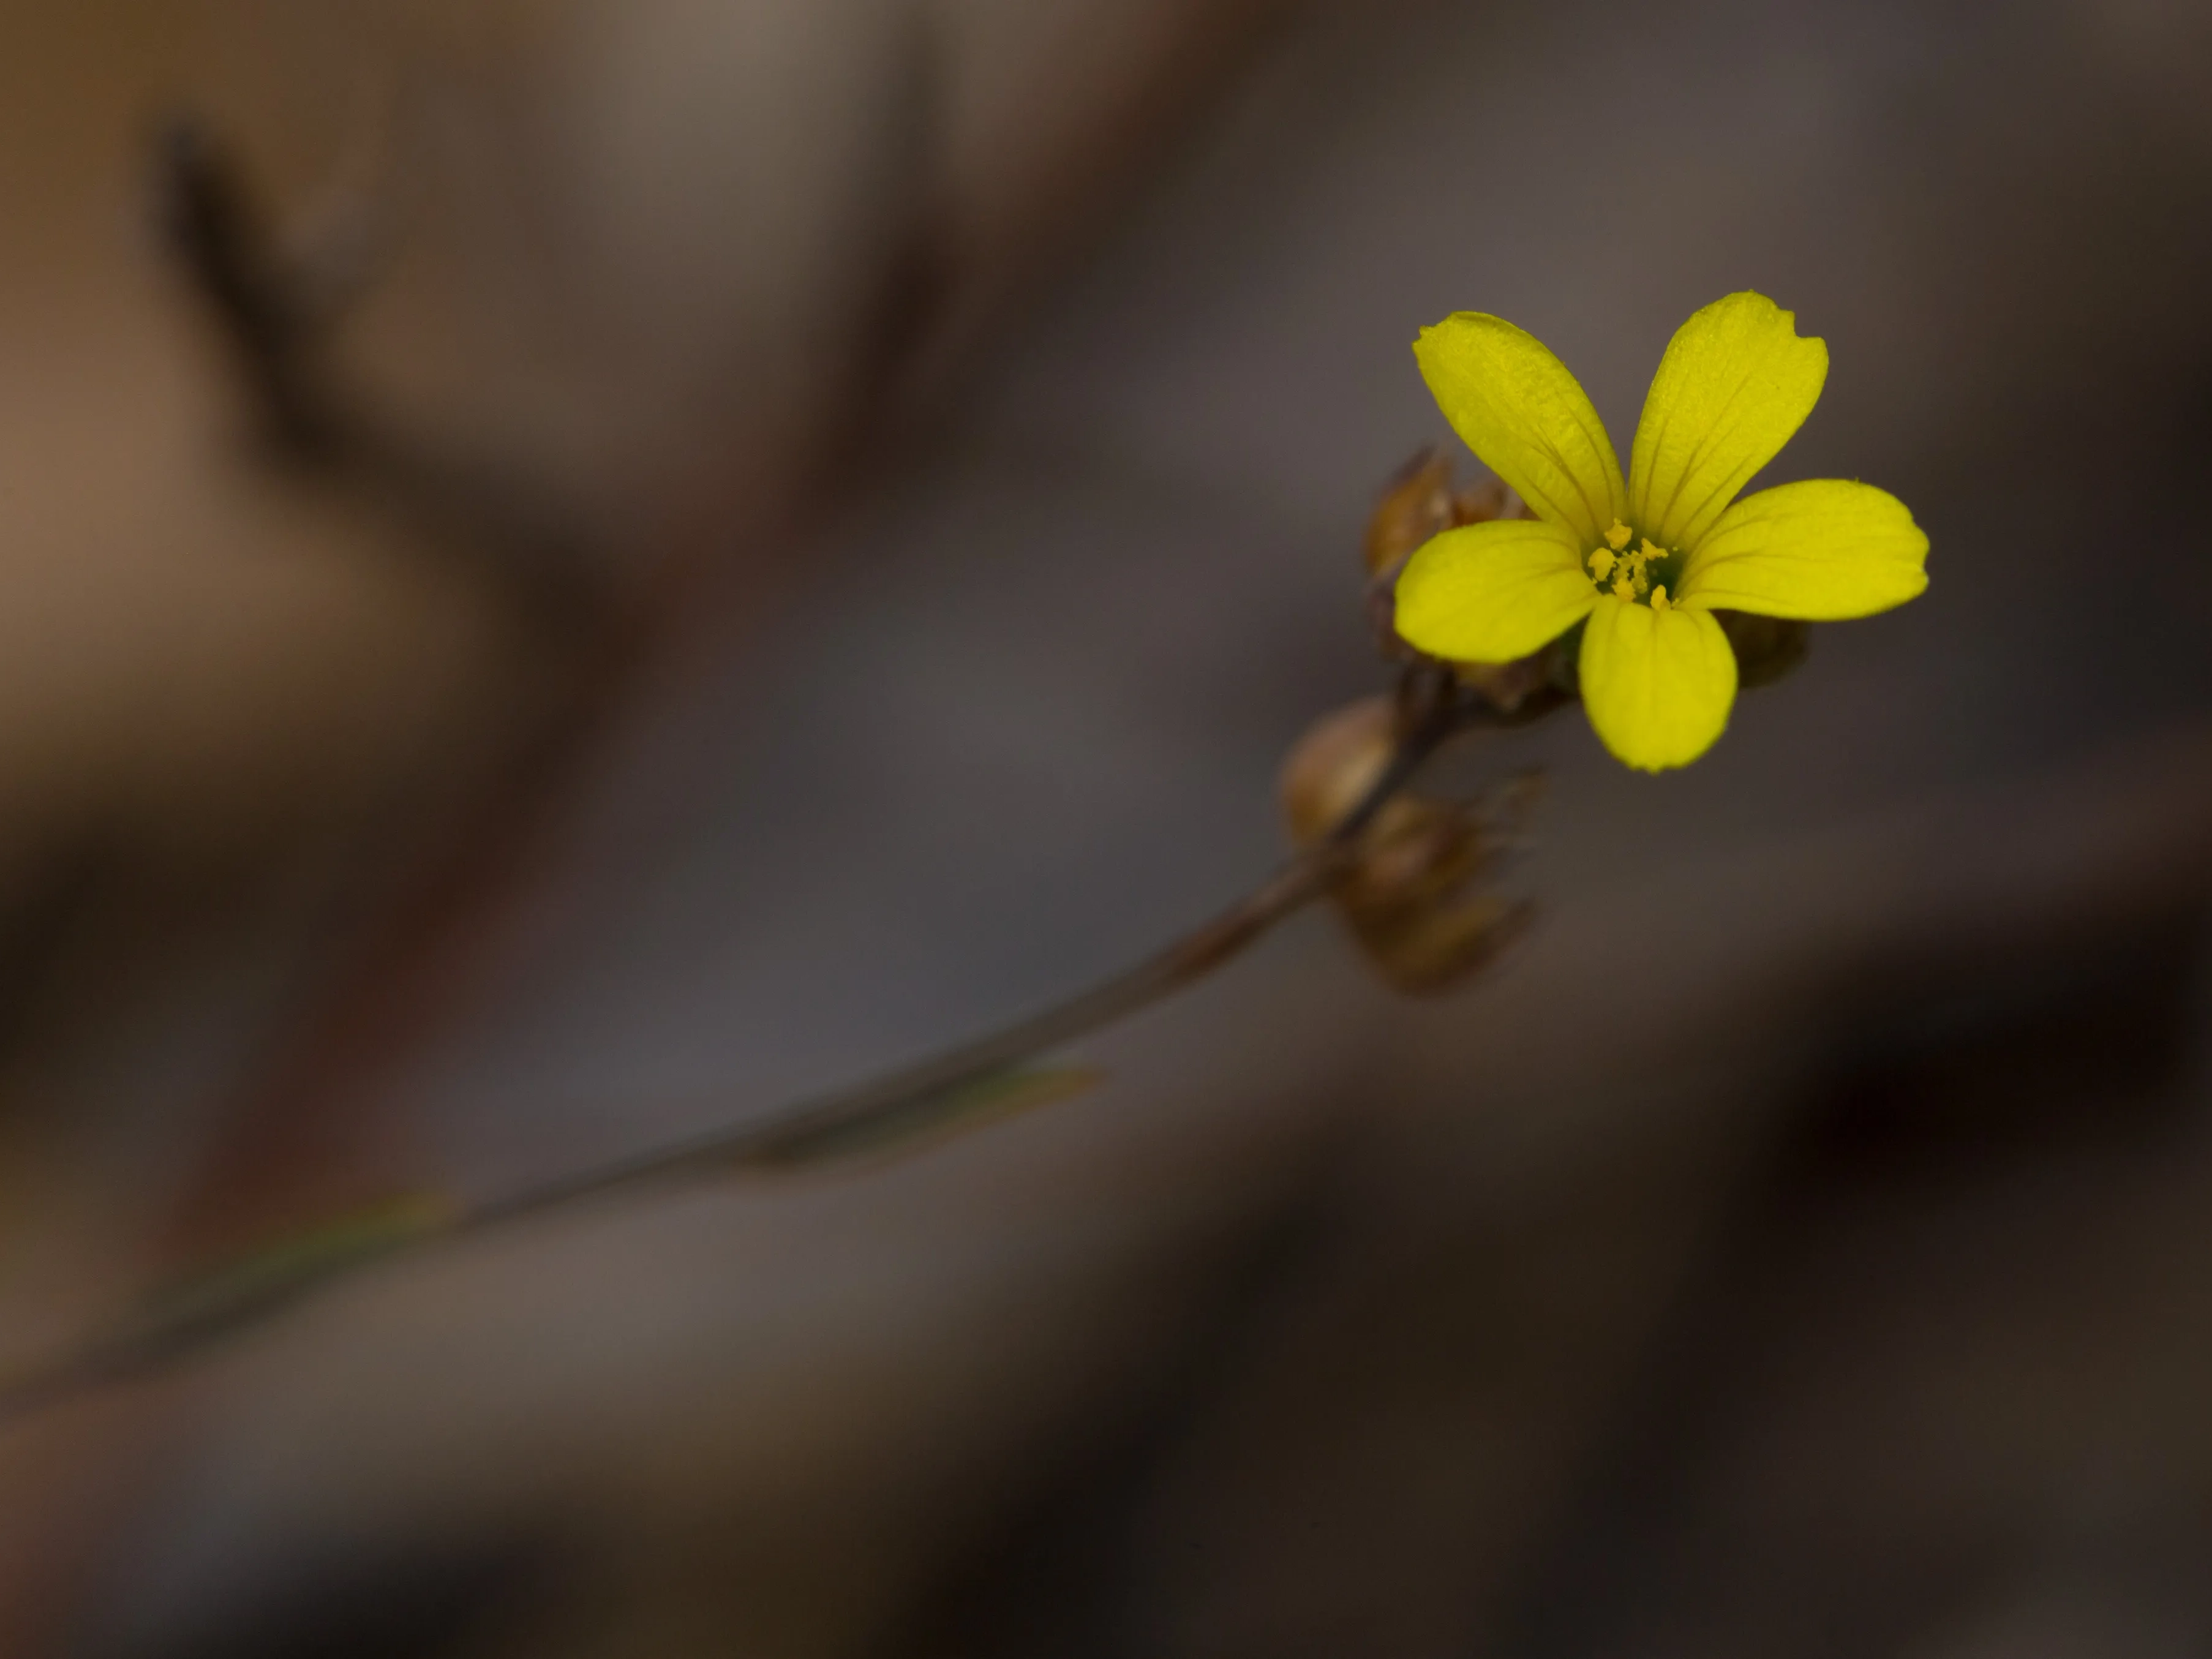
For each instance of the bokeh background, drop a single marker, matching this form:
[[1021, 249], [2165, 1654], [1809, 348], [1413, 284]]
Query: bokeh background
[[866, 494]]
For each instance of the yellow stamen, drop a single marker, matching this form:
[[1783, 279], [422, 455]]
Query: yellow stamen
[[1659, 596], [1619, 535], [1601, 564], [1650, 550], [1624, 589]]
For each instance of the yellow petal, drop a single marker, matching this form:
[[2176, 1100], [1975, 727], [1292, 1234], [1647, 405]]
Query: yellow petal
[[1736, 383], [1514, 405], [1817, 551], [1657, 684], [1491, 593]]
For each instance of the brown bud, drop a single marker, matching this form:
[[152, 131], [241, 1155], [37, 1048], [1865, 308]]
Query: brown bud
[[1419, 503], [1480, 503], [1414, 505], [1335, 765]]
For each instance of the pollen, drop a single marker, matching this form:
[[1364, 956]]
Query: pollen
[[1624, 589], [1659, 601], [1601, 564], [1619, 535]]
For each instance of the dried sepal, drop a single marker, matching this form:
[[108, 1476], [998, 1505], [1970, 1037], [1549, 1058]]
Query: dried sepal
[[1767, 648]]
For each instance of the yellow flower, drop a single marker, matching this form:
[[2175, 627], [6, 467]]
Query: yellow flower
[[1645, 565]]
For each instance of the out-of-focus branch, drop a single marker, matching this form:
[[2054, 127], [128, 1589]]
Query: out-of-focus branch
[[272, 319], [215, 235]]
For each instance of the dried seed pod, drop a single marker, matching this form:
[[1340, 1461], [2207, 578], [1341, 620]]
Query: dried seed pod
[[1433, 949], [1335, 765], [1410, 893]]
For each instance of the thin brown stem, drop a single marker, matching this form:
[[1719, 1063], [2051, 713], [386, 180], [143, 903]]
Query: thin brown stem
[[183, 1320], [811, 1129]]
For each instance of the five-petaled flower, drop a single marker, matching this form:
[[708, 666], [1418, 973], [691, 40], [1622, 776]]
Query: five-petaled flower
[[1643, 566]]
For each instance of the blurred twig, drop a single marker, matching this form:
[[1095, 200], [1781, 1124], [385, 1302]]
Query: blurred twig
[[274, 315], [215, 236]]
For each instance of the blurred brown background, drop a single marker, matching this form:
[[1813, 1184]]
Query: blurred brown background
[[846, 504]]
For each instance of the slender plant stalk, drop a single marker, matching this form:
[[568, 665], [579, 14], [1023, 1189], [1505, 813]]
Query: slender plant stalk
[[813, 1130], [957, 1088]]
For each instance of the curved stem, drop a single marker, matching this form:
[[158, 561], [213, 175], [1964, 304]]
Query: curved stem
[[808, 1128], [182, 1319]]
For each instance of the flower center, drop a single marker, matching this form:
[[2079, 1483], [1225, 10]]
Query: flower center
[[1634, 575]]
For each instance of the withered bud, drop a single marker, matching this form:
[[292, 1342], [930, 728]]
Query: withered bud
[[1490, 498], [1335, 765], [1408, 893], [1766, 647], [1414, 505], [1419, 503], [1429, 950]]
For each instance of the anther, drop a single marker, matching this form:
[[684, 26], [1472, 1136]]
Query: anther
[[1619, 535], [1601, 564], [1659, 601]]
